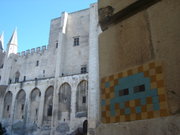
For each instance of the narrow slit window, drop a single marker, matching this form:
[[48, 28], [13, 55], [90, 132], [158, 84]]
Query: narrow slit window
[[8, 108], [37, 63], [57, 44], [36, 111], [24, 78], [49, 111], [22, 107], [84, 99]]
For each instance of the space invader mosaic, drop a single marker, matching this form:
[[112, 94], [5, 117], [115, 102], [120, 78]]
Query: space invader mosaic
[[135, 94]]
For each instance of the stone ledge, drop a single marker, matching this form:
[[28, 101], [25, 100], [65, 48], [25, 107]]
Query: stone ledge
[[159, 126]]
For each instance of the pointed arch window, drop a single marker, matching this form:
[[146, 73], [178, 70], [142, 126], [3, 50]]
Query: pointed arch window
[[81, 99]]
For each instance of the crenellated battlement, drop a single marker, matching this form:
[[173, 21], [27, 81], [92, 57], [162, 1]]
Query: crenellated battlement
[[33, 51]]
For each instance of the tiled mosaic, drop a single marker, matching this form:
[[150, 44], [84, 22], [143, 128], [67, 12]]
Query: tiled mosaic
[[135, 94]]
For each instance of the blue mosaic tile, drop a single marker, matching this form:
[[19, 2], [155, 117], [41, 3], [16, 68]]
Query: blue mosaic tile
[[103, 102], [143, 101], [112, 110], [127, 111], [121, 105], [107, 84], [155, 99], [156, 107], [130, 82], [138, 109]]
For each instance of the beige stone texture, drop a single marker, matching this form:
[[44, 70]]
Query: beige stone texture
[[116, 4], [152, 34], [125, 45], [159, 126]]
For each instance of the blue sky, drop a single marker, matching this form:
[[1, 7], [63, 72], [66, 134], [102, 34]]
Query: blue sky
[[32, 19]]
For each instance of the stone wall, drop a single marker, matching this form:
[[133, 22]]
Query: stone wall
[[28, 107], [50, 91], [137, 33], [158, 126], [42, 61], [76, 56]]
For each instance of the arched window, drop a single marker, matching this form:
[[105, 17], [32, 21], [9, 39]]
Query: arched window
[[20, 105], [34, 104], [48, 105], [7, 105], [81, 97], [65, 101]]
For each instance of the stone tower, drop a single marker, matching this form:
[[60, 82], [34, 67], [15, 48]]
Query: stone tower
[[2, 41]]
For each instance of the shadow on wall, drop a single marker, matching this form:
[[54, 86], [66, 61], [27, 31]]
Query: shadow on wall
[[2, 130], [80, 130]]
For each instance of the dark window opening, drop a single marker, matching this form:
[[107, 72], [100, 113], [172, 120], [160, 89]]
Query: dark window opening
[[84, 99], [22, 116], [36, 111], [16, 80], [49, 113], [0, 78], [56, 44], [123, 92], [85, 125], [8, 108], [83, 69], [24, 78], [139, 88], [22, 107], [10, 81], [2, 66], [37, 63], [76, 41]]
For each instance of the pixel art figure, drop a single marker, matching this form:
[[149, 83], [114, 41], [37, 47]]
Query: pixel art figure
[[134, 94]]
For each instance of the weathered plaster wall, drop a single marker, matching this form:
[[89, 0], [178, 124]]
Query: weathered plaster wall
[[151, 34], [125, 45], [117, 5], [159, 126], [165, 31], [141, 38]]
